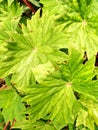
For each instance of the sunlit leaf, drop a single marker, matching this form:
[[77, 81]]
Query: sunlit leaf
[[42, 70], [61, 93], [9, 19], [9, 16], [38, 44], [81, 24], [54, 6], [45, 59], [80, 21], [52, 102], [85, 119]]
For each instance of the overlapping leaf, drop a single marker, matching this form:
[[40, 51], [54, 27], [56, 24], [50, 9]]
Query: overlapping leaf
[[38, 44], [60, 93], [54, 7], [80, 20], [90, 117], [51, 102], [9, 19], [66, 93], [9, 15], [41, 71], [81, 24], [11, 104], [80, 75], [85, 119]]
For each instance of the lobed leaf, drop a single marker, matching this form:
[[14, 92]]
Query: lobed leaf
[[63, 92], [12, 105], [39, 43], [51, 102], [80, 22]]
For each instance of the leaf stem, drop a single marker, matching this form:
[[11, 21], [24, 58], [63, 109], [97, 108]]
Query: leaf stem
[[29, 5]]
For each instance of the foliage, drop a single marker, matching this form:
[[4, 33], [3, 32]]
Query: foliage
[[80, 22], [49, 86], [11, 104]]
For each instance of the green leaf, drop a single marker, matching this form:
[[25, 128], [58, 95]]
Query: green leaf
[[53, 102], [74, 69], [38, 44], [62, 93], [85, 119], [94, 113], [79, 18], [41, 71], [92, 107], [54, 7], [40, 124], [12, 105], [1, 121], [9, 16], [10, 2], [81, 25], [80, 75], [9, 19], [8, 81], [25, 79]]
